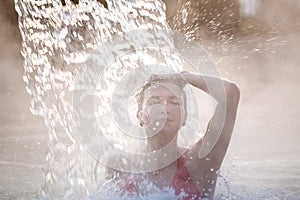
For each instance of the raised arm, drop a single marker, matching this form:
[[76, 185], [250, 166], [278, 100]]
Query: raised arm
[[215, 142]]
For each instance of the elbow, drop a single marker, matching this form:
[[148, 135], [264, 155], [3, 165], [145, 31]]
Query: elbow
[[233, 93]]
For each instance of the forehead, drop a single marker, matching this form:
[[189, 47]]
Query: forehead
[[163, 90]]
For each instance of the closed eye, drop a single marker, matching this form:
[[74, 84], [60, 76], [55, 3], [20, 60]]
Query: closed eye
[[173, 100], [154, 100]]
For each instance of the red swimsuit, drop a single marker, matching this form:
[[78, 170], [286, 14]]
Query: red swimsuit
[[181, 182]]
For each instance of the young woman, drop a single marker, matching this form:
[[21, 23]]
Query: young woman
[[162, 112]]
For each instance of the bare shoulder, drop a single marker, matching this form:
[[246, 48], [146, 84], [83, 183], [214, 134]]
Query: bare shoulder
[[109, 160], [192, 160]]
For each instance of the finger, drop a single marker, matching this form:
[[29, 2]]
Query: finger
[[157, 77]]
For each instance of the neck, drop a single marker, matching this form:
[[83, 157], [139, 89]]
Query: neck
[[161, 152], [154, 144]]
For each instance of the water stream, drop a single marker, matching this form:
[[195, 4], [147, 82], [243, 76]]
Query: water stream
[[85, 59]]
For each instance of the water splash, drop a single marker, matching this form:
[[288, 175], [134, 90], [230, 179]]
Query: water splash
[[57, 45], [56, 41]]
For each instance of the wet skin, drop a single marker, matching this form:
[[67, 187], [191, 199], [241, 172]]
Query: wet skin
[[164, 113]]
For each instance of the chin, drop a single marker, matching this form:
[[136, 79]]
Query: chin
[[169, 131]]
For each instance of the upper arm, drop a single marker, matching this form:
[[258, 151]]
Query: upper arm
[[215, 142]]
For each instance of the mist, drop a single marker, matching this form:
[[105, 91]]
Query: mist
[[259, 49]]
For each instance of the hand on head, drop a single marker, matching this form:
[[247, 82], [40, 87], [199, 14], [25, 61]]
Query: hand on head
[[176, 78]]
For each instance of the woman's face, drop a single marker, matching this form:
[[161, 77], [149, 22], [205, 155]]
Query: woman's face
[[163, 110]]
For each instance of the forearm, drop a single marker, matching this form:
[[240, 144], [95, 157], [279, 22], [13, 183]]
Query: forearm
[[219, 89]]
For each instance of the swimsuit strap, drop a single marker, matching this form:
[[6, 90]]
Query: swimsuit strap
[[183, 182]]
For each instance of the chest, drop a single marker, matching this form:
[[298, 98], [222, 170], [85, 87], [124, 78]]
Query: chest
[[164, 177], [160, 178]]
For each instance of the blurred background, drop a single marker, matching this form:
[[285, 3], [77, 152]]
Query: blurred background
[[255, 43], [23, 137]]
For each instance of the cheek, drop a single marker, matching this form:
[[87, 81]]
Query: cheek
[[176, 110], [156, 112], [179, 114]]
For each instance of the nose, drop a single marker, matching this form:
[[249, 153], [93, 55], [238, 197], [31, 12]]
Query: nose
[[166, 107]]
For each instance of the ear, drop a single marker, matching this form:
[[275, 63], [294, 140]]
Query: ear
[[138, 116]]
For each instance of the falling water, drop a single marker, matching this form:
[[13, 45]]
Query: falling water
[[66, 52], [68, 47]]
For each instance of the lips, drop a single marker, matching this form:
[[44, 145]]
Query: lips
[[164, 120]]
